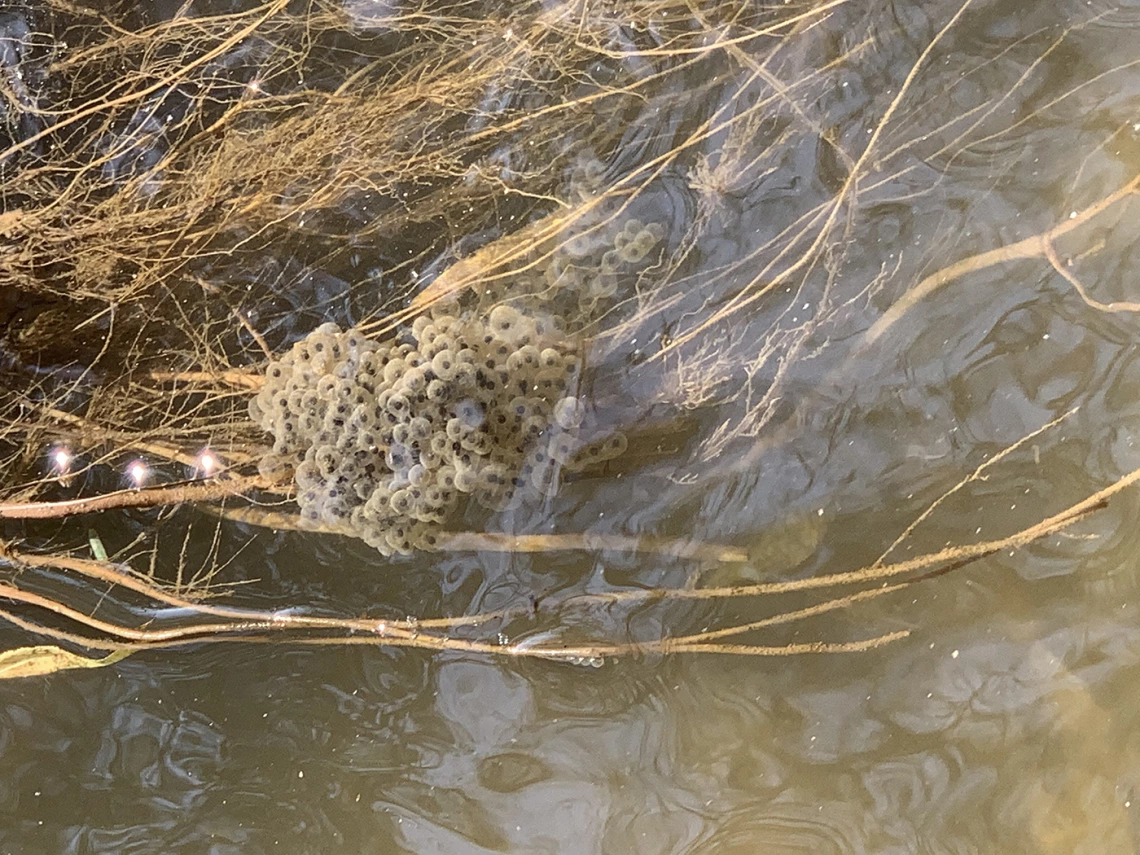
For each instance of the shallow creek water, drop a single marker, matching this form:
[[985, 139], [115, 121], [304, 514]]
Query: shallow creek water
[[1006, 721]]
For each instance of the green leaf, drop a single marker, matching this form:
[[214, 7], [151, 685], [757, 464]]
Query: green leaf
[[97, 548]]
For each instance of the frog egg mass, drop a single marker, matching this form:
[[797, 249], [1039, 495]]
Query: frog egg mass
[[385, 441]]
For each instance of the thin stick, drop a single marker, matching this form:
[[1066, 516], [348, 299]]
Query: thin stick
[[234, 377], [875, 573], [1028, 248], [185, 491], [977, 475], [1071, 278]]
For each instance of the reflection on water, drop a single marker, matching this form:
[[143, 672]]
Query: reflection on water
[[1006, 722]]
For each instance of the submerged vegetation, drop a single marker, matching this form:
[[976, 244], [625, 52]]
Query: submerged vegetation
[[347, 265]]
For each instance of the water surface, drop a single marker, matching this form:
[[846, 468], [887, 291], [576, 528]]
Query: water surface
[[1005, 721]]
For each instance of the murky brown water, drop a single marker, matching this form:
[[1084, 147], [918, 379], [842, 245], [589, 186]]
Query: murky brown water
[[1006, 722]]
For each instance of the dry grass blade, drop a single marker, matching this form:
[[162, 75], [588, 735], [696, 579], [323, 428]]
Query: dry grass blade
[[42, 660]]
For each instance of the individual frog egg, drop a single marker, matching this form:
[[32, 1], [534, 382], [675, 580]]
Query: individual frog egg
[[419, 325], [548, 327], [273, 467], [444, 365], [398, 458], [559, 264], [361, 396], [311, 401], [417, 475], [363, 488], [336, 515], [361, 418], [368, 379], [484, 372], [266, 399], [419, 430], [276, 376], [603, 286], [322, 346], [466, 377], [613, 446], [525, 359], [465, 480], [379, 504], [477, 441], [549, 384], [495, 353], [367, 441], [355, 342], [445, 478], [337, 414], [287, 428], [342, 390], [445, 322], [309, 423], [256, 411], [578, 246], [349, 469], [440, 496], [533, 427], [500, 420], [327, 459], [456, 429], [637, 250], [399, 406], [544, 478], [430, 459], [280, 404], [426, 537], [495, 475], [394, 370], [370, 361], [415, 381], [438, 391], [569, 412], [549, 359], [611, 261], [440, 444], [358, 520], [503, 320], [470, 413], [564, 447], [402, 502], [587, 304], [398, 540], [374, 534], [295, 403], [521, 408]]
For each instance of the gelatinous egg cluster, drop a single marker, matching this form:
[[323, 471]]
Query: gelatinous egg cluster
[[387, 439], [591, 264]]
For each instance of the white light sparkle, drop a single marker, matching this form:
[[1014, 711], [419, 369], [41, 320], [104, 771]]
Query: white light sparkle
[[61, 459], [207, 463], [139, 472]]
